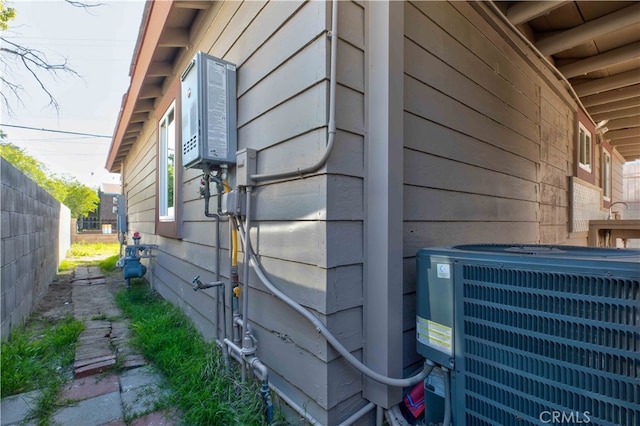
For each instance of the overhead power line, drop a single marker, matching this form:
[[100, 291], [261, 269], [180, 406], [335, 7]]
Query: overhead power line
[[56, 131]]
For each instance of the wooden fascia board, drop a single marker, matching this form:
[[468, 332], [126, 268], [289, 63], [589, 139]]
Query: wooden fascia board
[[157, 19]]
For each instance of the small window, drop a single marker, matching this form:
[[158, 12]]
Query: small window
[[166, 172], [606, 175], [168, 164], [585, 149]]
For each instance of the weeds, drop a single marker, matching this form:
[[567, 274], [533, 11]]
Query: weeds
[[201, 388], [93, 249], [109, 264], [67, 265], [37, 358]]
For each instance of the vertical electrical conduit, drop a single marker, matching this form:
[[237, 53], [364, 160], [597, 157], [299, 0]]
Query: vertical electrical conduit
[[244, 356], [331, 131], [216, 216], [247, 342], [233, 234]]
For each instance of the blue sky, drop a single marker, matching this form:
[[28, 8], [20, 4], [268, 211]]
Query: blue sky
[[98, 43]]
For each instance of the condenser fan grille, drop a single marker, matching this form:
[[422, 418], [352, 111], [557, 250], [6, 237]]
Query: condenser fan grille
[[538, 342]]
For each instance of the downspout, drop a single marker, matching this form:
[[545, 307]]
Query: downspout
[[331, 131]]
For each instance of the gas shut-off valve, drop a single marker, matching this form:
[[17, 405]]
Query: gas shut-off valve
[[132, 266]]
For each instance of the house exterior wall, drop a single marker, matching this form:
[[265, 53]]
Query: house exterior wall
[[490, 141], [298, 229], [489, 149]]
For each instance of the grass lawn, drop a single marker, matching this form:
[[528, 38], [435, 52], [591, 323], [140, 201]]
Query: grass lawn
[[202, 389]]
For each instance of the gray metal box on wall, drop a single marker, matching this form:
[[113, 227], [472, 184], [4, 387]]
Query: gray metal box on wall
[[208, 94], [122, 214]]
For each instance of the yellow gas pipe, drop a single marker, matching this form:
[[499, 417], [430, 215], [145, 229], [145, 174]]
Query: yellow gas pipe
[[234, 248]]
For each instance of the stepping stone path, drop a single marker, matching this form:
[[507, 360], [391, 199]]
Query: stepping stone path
[[103, 343], [98, 396]]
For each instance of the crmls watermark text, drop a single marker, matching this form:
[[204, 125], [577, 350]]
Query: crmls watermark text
[[565, 417]]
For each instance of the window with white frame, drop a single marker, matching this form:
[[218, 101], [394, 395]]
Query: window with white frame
[[584, 148], [606, 175], [166, 163]]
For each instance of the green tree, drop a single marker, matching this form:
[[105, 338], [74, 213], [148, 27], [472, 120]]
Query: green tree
[[6, 14], [78, 197], [68, 190], [28, 165]]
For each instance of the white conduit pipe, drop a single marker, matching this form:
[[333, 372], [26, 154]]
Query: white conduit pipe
[[291, 403], [331, 131], [322, 329], [245, 271], [358, 414], [539, 54], [447, 397]]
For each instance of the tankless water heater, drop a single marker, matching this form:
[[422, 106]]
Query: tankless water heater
[[209, 134]]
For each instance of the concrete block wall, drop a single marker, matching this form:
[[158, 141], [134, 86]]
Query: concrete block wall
[[32, 240]]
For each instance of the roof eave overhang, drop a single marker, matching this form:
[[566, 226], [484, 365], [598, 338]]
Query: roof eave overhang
[[156, 14]]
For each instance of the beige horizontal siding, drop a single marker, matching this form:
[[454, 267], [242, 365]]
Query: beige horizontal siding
[[488, 141], [299, 225]]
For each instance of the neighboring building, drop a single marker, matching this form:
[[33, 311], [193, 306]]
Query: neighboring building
[[631, 180], [108, 208], [450, 130], [631, 195], [105, 213]]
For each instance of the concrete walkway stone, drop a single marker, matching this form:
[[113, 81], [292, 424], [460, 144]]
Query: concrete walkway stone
[[98, 399], [15, 408], [89, 387], [92, 411]]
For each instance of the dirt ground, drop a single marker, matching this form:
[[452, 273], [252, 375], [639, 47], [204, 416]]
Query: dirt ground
[[58, 303]]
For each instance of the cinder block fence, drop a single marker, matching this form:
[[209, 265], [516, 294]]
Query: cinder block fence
[[35, 237]]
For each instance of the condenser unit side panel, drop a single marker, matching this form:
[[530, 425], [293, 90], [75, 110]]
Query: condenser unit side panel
[[434, 316], [549, 336]]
